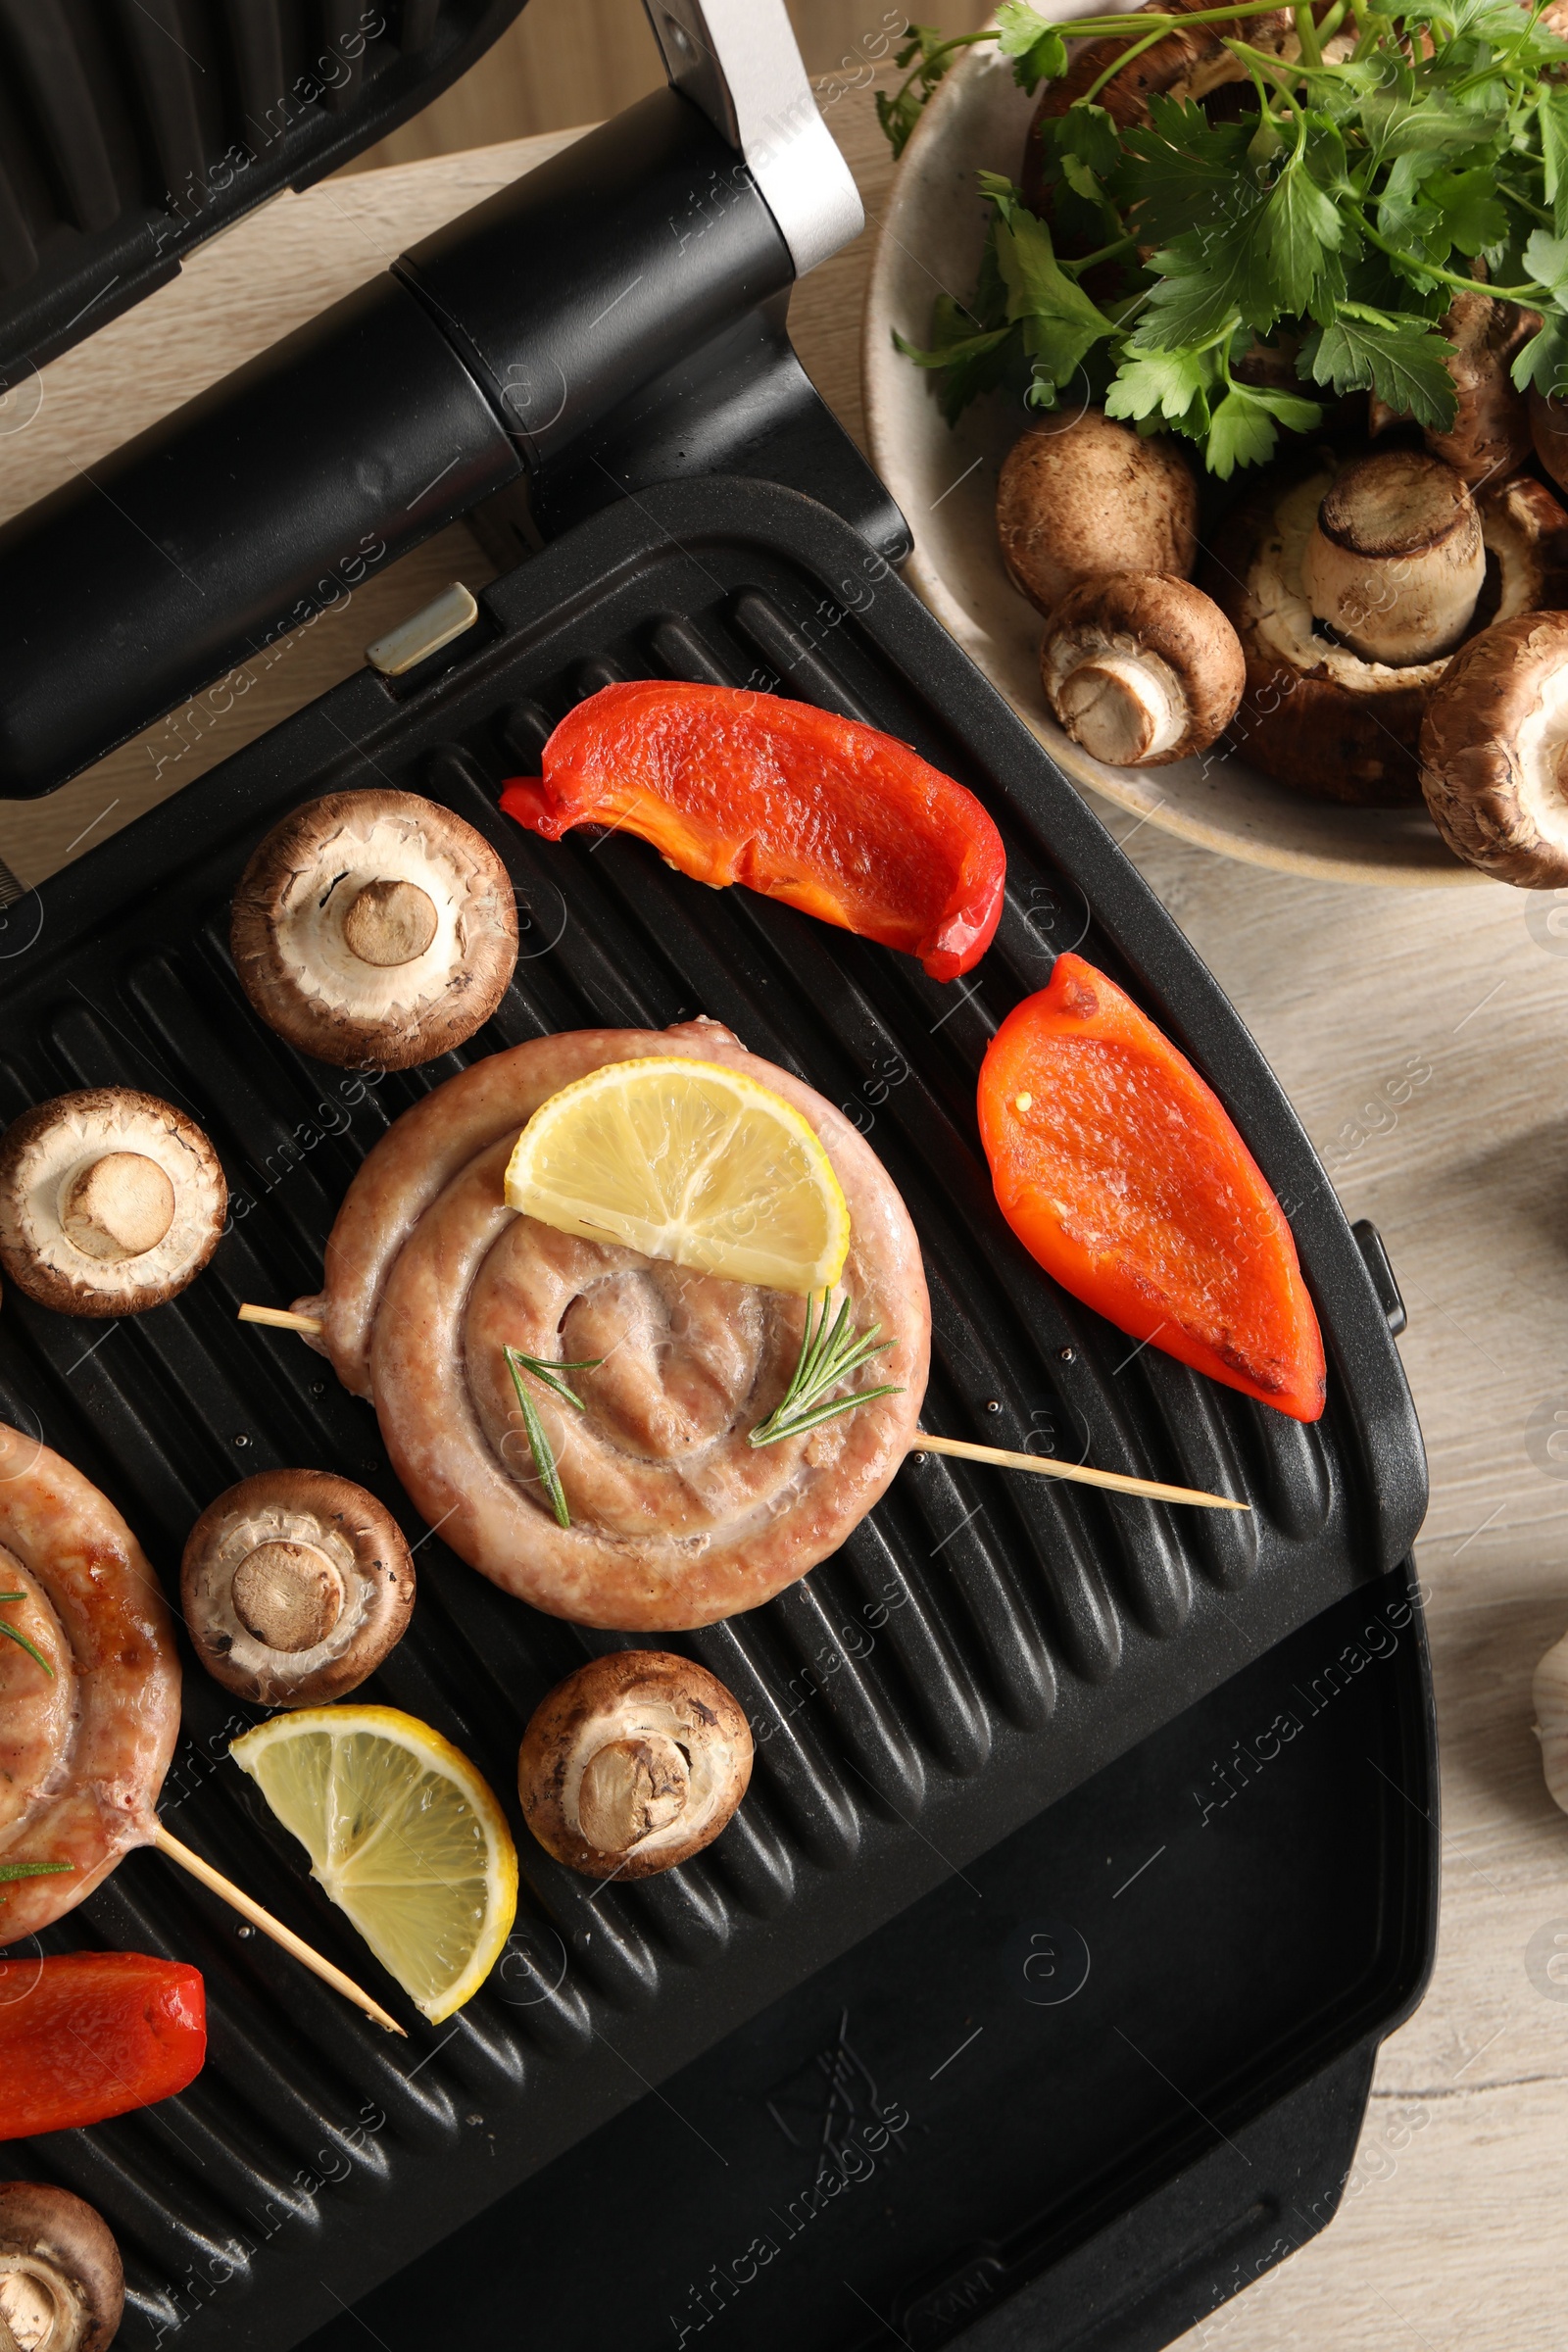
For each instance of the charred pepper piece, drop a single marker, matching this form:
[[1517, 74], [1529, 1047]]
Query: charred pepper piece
[[84, 2035], [831, 816], [1121, 1171]]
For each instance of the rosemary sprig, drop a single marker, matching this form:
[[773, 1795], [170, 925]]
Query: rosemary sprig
[[31, 1870], [549, 1375], [36, 1655], [827, 1358]]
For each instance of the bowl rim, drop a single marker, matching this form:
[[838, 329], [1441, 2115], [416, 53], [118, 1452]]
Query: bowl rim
[[1133, 790]]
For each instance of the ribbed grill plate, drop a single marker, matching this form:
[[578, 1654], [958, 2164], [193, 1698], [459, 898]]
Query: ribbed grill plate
[[980, 1645]]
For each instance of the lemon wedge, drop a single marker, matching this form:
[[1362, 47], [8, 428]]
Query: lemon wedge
[[686, 1161], [402, 1833]]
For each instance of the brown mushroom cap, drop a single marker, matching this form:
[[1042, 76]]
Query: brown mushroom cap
[[61, 2287], [1141, 668], [1394, 561], [632, 1764], [1315, 714], [295, 1585], [1081, 496], [111, 1201], [1495, 752], [1489, 436], [374, 927], [1548, 431]]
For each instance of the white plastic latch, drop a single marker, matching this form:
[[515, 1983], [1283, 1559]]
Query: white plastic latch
[[425, 632]]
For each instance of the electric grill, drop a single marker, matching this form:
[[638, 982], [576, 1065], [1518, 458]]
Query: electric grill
[[1032, 1996]]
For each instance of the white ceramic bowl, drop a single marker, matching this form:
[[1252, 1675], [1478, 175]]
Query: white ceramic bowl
[[945, 479]]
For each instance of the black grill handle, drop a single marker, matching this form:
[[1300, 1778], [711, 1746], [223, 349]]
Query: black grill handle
[[491, 347]]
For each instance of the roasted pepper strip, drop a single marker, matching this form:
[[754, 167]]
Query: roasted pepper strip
[[84, 2035], [832, 818], [1119, 1171]]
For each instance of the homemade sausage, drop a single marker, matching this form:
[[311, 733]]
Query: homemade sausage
[[676, 1519], [83, 1745]]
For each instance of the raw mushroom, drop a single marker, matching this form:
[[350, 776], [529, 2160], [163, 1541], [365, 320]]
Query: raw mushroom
[[375, 929], [1141, 668], [1550, 1694], [1316, 714], [1495, 752], [1394, 563], [111, 1201], [1085, 495], [1489, 437], [61, 2287], [632, 1764], [295, 1585]]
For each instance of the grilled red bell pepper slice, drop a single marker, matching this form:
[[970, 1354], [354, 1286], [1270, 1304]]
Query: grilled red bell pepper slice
[[830, 817], [1121, 1171], [84, 2035]]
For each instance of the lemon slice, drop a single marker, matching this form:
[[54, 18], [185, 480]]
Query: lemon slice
[[402, 1833], [682, 1159]]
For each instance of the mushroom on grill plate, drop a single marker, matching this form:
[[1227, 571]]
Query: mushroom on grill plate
[[61, 2287], [295, 1585], [1495, 752], [1381, 551], [111, 1201], [374, 928], [633, 1763], [1085, 495], [1141, 668]]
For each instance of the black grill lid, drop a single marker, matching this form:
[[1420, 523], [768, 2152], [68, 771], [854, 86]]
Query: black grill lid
[[1020, 1635], [131, 130]]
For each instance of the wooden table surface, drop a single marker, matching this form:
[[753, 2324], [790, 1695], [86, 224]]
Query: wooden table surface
[[1422, 1037]]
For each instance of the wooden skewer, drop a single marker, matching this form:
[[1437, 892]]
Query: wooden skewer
[[216, 1884], [281, 1318], [1152, 1488], [998, 1456]]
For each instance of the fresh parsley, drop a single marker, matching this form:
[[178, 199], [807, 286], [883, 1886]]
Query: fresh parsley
[[1185, 268]]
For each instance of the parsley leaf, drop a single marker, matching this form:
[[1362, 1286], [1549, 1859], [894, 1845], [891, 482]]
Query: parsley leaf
[[1171, 383], [1472, 216], [1060, 322], [1088, 133], [1183, 172], [1303, 226], [1400, 360], [1244, 429], [1037, 49], [1551, 116]]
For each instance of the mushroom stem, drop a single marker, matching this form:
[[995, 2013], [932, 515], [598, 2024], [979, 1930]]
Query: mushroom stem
[[36, 2308], [288, 1595], [389, 924], [1396, 561], [1124, 709], [118, 1206], [632, 1788], [61, 2284]]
